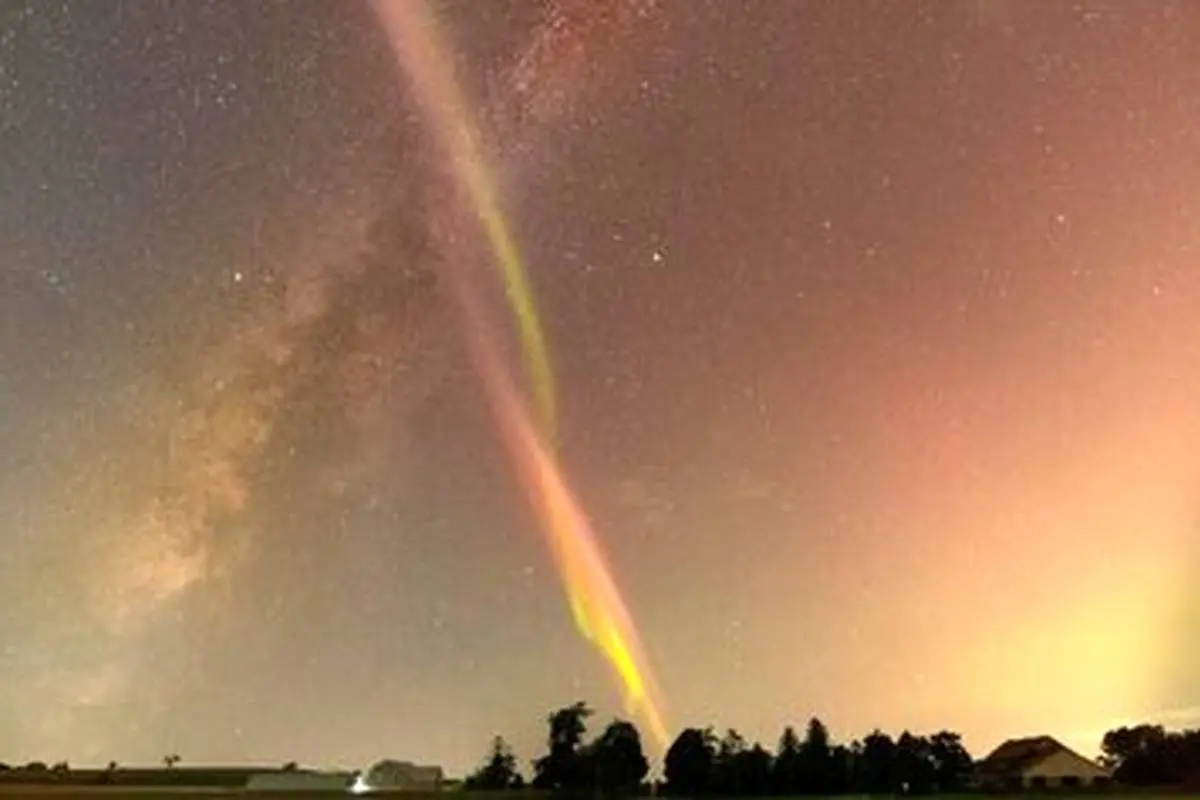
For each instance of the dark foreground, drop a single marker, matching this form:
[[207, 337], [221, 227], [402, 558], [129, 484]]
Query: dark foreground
[[186, 793]]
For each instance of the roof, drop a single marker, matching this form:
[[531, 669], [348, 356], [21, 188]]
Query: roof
[[392, 773], [1016, 756]]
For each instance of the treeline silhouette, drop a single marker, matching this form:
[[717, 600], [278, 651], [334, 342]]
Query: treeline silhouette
[[1149, 755], [703, 763]]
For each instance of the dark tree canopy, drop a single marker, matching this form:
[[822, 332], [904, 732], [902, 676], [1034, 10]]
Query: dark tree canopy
[[816, 760], [953, 766], [1149, 755], [879, 773], [618, 763], [499, 772], [699, 764], [689, 767], [788, 768], [565, 765]]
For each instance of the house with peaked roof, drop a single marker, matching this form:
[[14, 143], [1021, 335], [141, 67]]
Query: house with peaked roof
[[395, 776], [1037, 762]]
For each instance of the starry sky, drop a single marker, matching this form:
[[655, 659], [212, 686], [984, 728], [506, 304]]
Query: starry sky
[[875, 327]]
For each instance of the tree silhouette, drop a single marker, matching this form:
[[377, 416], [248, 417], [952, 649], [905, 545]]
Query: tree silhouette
[[170, 760], [842, 766], [878, 772], [741, 768], [697, 764], [787, 769], [689, 766], [752, 770], [1148, 755], [915, 771], [725, 765], [952, 764], [816, 760], [617, 759], [565, 765], [499, 772]]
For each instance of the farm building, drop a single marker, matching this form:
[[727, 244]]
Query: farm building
[[396, 776], [298, 780], [1038, 762]]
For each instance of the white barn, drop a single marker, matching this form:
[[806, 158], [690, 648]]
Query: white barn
[[1039, 762]]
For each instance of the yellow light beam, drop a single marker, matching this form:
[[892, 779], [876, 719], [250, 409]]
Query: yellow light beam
[[598, 610], [596, 604], [417, 44]]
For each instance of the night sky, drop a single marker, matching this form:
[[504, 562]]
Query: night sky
[[875, 326]]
